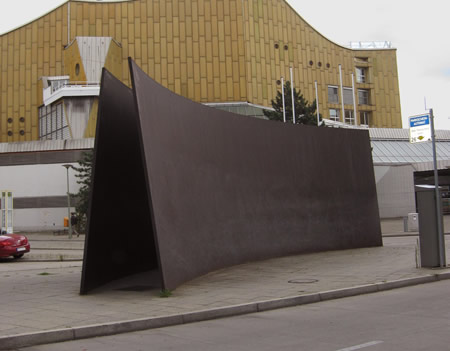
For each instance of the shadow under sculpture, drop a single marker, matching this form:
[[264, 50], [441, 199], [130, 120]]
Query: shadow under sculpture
[[186, 189]]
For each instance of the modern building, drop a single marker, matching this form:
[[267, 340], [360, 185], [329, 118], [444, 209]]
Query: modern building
[[226, 53], [400, 165]]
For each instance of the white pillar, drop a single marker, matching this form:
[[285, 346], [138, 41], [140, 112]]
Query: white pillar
[[292, 91], [342, 94], [317, 104], [354, 99], [282, 96]]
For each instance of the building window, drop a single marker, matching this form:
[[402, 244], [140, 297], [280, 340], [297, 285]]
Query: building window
[[334, 115], [333, 97], [364, 118], [363, 97], [52, 123], [361, 75], [348, 96], [349, 117]]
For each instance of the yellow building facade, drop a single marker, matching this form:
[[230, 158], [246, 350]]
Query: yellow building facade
[[210, 51]]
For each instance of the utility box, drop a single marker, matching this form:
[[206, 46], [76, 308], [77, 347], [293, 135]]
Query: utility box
[[428, 226], [413, 222]]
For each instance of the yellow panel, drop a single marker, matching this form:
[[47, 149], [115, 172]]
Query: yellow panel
[[72, 58], [113, 60], [156, 33], [176, 48], [207, 50], [92, 123], [137, 50], [163, 48], [170, 52], [131, 34]]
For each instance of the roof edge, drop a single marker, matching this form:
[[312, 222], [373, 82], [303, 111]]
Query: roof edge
[[35, 19]]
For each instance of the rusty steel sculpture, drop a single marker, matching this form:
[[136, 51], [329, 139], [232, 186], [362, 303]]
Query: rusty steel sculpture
[[185, 189]]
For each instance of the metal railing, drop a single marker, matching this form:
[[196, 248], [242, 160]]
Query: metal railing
[[370, 45]]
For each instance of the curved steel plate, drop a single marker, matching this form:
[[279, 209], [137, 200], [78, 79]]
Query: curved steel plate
[[224, 189]]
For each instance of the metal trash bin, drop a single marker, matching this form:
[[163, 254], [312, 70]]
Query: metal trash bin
[[428, 226]]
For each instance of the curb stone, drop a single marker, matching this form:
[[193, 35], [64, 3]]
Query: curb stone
[[60, 335]]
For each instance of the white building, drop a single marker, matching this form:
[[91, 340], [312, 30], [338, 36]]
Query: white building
[[34, 173]]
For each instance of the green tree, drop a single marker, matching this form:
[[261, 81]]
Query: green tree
[[305, 113], [84, 172]]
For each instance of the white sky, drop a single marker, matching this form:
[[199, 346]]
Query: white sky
[[417, 28]]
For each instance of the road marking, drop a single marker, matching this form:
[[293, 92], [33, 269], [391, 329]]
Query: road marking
[[358, 347]]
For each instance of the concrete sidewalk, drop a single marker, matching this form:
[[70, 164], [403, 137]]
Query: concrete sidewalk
[[42, 304]]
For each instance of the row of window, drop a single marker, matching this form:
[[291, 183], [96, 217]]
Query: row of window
[[349, 118], [52, 123], [333, 96]]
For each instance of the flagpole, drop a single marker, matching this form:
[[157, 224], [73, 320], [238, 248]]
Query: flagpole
[[317, 104], [282, 96], [292, 92], [342, 94], [354, 99]]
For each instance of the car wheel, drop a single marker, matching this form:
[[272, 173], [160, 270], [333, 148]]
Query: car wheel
[[18, 256]]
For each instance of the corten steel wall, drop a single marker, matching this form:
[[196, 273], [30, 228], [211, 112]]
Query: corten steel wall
[[205, 50], [119, 239], [223, 189]]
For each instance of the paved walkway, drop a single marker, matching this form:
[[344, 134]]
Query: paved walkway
[[41, 302]]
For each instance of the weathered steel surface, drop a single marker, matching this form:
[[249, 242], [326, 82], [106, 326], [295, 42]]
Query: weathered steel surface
[[119, 239], [224, 189]]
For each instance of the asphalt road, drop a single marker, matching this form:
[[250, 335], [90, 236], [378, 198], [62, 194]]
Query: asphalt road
[[413, 318]]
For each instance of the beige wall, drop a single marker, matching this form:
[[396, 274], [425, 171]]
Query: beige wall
[[275, 22], [206, 50]]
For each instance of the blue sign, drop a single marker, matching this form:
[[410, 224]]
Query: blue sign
[[418, 121], [419, 128]]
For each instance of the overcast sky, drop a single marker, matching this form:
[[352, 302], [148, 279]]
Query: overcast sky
[[418, 29]]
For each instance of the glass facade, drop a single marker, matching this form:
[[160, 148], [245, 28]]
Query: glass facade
[[52, 123]]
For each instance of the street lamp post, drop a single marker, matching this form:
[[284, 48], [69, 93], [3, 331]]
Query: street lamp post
[[68, 200]]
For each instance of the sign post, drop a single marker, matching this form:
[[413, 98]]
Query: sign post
[[441, 241], [421, 129]]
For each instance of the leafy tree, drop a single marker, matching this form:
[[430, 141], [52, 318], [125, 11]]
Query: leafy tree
[[84, 172], [305, 113]]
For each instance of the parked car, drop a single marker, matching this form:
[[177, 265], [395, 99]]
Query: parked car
[[14, 245]]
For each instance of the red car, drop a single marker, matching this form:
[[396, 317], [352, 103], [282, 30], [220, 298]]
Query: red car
[[14, 245]]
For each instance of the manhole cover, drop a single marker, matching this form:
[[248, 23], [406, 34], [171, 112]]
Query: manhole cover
[[303, 281]]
